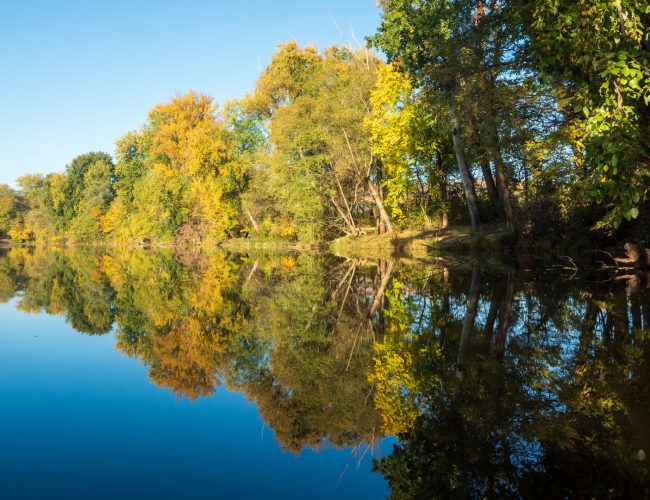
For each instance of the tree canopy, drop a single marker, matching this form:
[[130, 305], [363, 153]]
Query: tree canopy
[[534, 116]]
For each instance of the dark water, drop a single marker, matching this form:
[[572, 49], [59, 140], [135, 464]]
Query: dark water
[[149, 374]]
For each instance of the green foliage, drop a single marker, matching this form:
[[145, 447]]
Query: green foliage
[[598, 53], [76, 175], [95, 200], [8, 208]]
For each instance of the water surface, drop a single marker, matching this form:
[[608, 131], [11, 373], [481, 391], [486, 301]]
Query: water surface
[[159, 374]]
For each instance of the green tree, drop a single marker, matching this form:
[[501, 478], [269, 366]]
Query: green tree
[[321, 164], [96, 197], [8, 208], [76, 173], [598, 55]]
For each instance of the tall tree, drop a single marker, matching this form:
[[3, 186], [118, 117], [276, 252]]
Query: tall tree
[[597, 54], [430, 41], [322, 168]]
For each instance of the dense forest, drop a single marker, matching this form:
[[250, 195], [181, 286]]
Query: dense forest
[[533, 116]]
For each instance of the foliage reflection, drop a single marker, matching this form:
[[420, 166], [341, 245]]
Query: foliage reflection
[[497, 383]]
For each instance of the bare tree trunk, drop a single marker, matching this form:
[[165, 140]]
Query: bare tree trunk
[[349, 219], [380, 192], [492, 316], [255, 265], [383, 284], [465, 175], [349, 223], [255, 226], [474, 136], [505, 312], [383, 214], [444, 198], [495, 146], [376, 194]]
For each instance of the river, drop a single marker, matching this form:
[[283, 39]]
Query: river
[[133, 373]]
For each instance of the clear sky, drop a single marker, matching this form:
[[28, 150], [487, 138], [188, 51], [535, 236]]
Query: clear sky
[[76, 75]]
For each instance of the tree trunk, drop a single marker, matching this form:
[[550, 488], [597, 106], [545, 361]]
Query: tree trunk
[[383, 215], [348, 222], [489, 183], [492, 316], [445, 210], [502, 181], [505, 312], [466, 177], [383, 285], [349, 219], [473, 132], [444, 198], [495, 146], [255, 226]]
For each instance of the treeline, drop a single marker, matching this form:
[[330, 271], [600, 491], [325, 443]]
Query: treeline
[[533, 115]]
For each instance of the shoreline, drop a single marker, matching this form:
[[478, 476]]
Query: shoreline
[[494, 242]]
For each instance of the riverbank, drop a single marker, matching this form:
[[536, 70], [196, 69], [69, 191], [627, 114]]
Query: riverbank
[[495, 242], [410, 243], [420, 244], [269, 245]]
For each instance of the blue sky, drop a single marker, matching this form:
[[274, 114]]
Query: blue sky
[[75, 75]]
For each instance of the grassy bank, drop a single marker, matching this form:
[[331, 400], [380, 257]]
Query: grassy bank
[[420, 244], [269, 245]]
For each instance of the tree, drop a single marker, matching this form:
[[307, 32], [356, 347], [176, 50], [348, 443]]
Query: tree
[[412, 140], [96, 197], [8, 209], [598, 54], [76, 173], [34, 220], [322, 170], [430, 41], [172, 180]]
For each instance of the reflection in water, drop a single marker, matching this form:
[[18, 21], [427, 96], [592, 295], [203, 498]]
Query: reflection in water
[[497, 384]]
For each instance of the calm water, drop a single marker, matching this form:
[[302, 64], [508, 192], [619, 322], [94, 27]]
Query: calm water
[[148, 374]]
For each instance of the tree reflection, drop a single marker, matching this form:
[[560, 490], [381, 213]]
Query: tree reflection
[[497, 383], [542, 399]]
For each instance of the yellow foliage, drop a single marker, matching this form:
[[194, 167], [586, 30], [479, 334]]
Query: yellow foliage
[[395, 125], [187, 133], [394, 378]]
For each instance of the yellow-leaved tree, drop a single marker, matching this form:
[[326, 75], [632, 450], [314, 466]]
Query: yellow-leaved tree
[[172, 182], [402, 134]]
